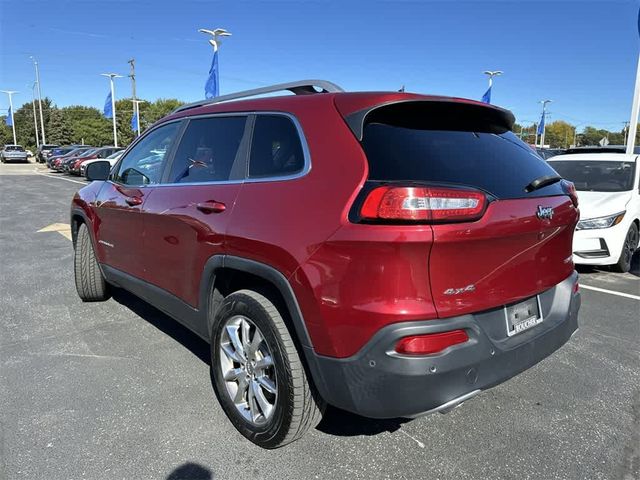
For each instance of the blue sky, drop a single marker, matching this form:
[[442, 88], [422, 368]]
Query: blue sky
[[579, 53]]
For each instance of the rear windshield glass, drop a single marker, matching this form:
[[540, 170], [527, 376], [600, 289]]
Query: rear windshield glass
[[14, 148], [497, 162], [597, 176]]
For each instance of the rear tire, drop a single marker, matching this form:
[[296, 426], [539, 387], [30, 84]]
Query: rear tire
[[90, 283], [628, 249], [293, 405]]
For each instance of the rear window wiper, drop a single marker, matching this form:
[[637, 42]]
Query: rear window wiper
[[542, 182]]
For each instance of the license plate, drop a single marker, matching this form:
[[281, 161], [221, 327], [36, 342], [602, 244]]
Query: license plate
[[522, 316]]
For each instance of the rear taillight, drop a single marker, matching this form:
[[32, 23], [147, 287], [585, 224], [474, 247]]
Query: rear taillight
[[426, 204], [570, 189], [430, 343]]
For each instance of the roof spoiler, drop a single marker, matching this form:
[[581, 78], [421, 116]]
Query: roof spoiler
[[438, 113]]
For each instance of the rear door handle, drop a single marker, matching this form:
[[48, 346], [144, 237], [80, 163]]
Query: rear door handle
[[133, 201], [211, 207]]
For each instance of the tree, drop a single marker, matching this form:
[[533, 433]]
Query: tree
[[6, 136], [25, 129], [559, 134], [526, 134], [88, 125], [60, 131], [152, 112], [591, 135]]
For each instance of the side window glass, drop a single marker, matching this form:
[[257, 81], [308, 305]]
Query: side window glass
[[209, 151], [144, 162], [275, 148]]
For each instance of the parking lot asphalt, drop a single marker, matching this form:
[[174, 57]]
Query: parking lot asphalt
[[119, 390]]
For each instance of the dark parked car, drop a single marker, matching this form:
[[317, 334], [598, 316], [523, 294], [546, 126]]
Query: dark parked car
[[65, 152], [44, 151], [59, 163], [103, 152], [309, 241]]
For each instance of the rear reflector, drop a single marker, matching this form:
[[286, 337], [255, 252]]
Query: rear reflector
[[428, 204], [431, 343]]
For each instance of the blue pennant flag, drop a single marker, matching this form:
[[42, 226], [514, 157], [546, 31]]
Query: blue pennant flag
[[108, 109], [486, 98], [9, 120], [541, 124], [211, 88], [134, 122]]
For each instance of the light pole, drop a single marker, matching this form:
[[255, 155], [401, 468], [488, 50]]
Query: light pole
[[35, 117], [136, 112], [113, 104], [132, 76], [635, 109], [543, 121], [625, 130], [13, 124], [490, 74], [44, 138], [212, 87]]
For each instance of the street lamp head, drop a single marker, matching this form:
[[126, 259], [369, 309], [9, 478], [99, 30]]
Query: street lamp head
[[217, 35], [217, 32], [493, 73], [111, 75]]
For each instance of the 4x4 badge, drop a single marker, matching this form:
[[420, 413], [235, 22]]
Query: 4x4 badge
[[545, 212]]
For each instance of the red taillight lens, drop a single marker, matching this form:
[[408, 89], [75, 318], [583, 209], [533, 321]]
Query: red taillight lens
[[429, 204], [431, 343], [576, 287], [570, 189]]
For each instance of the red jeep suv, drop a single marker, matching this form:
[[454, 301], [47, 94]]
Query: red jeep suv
[[390, 254]]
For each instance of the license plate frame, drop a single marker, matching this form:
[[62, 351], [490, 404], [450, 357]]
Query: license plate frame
[[522, 316]]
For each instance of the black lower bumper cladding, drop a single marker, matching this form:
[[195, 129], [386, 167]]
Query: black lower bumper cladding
[[379, 383]]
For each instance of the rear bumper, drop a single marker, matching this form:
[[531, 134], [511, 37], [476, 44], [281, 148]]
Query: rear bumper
[[379, 383]]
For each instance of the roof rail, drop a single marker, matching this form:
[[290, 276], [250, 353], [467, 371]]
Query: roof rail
[[301, 87]]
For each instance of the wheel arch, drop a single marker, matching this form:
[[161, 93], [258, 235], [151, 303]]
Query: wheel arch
[[224, 274], [78, 217], [218, 270]]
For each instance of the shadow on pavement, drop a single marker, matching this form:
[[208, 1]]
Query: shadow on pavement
[[164, 323], [191, 471], [345, 424], [335, 422]]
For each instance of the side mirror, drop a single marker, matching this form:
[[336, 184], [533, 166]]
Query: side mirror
[[98, 170]]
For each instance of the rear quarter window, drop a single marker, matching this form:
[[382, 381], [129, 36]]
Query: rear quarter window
[[276, 148]]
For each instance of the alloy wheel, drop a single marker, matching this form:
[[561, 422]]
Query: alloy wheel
[[247, 367], [630, 245]]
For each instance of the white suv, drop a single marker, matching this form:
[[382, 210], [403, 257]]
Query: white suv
[[609, 200]]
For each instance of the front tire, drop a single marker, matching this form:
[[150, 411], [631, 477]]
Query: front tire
[[90, 283], [258, 376], [628, 249]]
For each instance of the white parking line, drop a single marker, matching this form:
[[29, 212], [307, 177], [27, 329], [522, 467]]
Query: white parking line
[[60, 178], [610, 292]]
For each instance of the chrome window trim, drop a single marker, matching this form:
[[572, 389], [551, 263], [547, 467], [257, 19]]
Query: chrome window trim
[[303, 142], [125, 152]]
